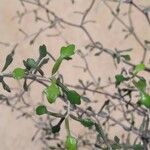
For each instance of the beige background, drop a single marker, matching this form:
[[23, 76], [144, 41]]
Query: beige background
[[16, 134]]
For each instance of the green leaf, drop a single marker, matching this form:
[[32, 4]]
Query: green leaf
[[56, 65], [71, 143], [126, 57], [9, 60], [73, 97], [31, 63], [87, 122], [145, 100], [67, 51], [138, 68], [56, 129], [52, 92], [18, 73], [5, 86], [140, 85], [116, 139], [119, 79], [42, 51], [40, 110]]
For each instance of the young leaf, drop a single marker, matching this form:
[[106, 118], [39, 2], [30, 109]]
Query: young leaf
[[9, 60], [18, 73], [56, 65], [40, 110], [87, 122], [52, 92], [138, 68], [119, 79], [67, 51], [42, 51], [73, 97], [71, 143]]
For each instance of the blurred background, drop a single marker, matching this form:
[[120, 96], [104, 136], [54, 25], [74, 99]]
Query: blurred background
[[99, 29]]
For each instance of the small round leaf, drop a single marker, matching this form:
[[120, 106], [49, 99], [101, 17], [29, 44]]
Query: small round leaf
[[71, 143], [18, 73], [145, 100], [40, 110], [31, 63], [56, 129]]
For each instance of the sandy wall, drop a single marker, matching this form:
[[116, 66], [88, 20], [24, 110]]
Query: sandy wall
[[16, 134]]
